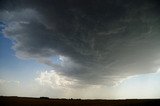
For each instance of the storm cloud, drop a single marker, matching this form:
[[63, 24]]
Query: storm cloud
[[96, 41]]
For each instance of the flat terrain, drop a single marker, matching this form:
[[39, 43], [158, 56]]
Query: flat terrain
[[23, 101]]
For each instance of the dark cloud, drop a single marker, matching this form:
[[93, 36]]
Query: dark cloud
[[98, 41]]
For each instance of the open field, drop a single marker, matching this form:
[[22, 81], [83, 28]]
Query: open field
[[23, 101]]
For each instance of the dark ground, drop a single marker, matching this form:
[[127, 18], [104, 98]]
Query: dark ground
[[23, 101]]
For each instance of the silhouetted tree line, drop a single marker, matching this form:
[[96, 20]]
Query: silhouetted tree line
[[44, 97]]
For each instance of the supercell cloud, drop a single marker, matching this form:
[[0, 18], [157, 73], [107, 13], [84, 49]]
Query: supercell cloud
[[96, 41]]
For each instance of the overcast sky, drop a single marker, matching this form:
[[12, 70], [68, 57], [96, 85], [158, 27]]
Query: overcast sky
[[72, 48]]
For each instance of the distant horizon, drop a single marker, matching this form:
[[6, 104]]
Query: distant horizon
[[45, 97]]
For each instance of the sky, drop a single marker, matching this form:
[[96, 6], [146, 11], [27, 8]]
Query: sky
[[94, 49]]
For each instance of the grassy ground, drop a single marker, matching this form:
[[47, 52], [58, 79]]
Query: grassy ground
[[22, 101]]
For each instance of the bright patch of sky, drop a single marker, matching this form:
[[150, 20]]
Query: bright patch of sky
[[140, 86], [55, 60]]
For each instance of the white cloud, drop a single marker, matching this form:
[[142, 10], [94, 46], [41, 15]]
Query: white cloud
[[54, 80]]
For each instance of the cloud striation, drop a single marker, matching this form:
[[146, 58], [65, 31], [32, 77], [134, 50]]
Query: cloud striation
[[97, 41]]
